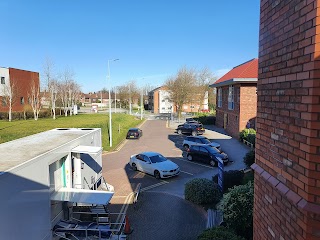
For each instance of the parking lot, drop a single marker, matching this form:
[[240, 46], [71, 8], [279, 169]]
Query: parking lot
[[163, 200]]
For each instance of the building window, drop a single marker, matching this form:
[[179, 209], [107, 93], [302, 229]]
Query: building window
[[219, 97], [231, 98], [3, 80], [22, 100]]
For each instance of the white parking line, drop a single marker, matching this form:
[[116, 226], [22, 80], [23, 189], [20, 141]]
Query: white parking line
[[187, 173], [154, 186], [199, 164]]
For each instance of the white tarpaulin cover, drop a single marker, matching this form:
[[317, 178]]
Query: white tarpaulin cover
[[87, 149], [82, 196]]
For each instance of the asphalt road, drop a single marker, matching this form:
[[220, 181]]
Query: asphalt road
[[162, 201]]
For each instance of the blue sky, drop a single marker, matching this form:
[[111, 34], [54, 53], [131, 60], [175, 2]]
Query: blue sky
[[151, 39]]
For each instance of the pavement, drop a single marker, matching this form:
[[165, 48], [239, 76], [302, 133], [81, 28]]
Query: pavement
[[162, 212]]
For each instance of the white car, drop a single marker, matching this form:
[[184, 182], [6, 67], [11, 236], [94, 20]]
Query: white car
[[154, 164], [199, 140]]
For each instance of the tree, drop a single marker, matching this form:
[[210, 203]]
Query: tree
[[180, 88], [34, 98], [201, 88], [126, 94], [67, 90], [10, 93], [50, 85]]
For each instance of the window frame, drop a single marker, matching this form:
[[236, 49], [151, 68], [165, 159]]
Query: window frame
[[231, 97], [219, 97], [3, 80]]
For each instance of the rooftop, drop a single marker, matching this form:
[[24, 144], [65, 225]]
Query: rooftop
[[245, 72], [20, 151]]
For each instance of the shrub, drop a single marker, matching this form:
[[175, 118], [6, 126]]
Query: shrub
[[249, 158], [244, 134], [248, 177], [206, 119], [218, 233], [237, 207], [202, 191], [230, 179]]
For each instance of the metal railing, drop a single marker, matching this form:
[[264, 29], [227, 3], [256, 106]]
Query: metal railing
[[136, 193], [102, 219]]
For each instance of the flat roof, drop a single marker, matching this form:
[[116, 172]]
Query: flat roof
[[82, 196], [22, 150]]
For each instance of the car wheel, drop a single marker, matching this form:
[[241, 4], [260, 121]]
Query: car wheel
[[189, 157], [194, 133], [186, 147], [213, 163], [157, 174], [179, 132], [134, 167]]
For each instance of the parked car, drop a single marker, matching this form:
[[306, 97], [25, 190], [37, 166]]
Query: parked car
[[191, 128], [206, 154], [134, 133], [196, 140], [191, 120], [155, 164]]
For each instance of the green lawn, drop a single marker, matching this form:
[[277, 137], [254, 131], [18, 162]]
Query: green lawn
[[21, 128]]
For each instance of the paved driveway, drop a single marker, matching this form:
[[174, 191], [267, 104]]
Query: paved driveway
[[162, 212]]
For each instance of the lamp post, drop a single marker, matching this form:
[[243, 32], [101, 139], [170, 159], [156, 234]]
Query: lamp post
[[110, 115]]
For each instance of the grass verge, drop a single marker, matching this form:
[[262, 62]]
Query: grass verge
[[120, 124]]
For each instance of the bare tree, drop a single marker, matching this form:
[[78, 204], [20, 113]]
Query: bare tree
[[123, 95], [65, 90], [10, 93], [201, 88], [50, 85], [63, 96], [74, 93], [34, 98], [180, 88]]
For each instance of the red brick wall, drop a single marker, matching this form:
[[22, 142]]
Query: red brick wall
[[232, 126], [156, 101], [245, 108], [248, 105], [287, 183], [23, 81]]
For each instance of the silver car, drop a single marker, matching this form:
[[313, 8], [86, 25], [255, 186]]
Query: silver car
[[197, 140], [155, 164]]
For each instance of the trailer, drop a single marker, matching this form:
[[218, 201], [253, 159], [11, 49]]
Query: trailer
[[44, 176]]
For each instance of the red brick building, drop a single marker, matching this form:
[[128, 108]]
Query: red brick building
[[21, 82], [237, 98], [287, 168]]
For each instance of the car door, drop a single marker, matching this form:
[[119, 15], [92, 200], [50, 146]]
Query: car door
[[140, 162], [185, 128], [195, 152], [204, 155], [198, 141], [147, 165]]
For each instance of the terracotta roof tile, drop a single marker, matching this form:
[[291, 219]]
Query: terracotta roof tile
[[246, 70]]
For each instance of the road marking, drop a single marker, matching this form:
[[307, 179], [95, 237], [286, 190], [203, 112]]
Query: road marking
[[187, 173], [199, 164], [129, 199], [154, 186]]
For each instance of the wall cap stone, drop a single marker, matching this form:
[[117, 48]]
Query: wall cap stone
[[293, 197]]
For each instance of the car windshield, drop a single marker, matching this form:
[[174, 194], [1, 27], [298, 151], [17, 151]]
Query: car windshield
[[213, 150], [205, 141], [157, 158]]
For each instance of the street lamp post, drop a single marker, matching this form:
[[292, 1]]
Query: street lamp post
[[110, 115]]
